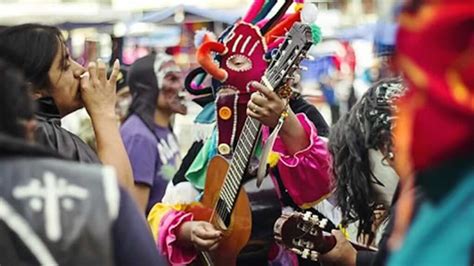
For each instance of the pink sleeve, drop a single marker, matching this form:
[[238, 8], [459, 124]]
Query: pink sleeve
[[307, 173], [177, 255]]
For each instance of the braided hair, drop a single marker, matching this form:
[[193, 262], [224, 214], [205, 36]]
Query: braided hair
[[367, 126]]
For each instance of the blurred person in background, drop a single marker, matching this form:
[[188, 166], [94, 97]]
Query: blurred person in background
[[54, 211], [61, 86], [155, 84], [86, 130], [124, 97], [383, 65]]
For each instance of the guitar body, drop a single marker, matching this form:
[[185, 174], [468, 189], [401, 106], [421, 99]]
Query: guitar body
[[238, 232]]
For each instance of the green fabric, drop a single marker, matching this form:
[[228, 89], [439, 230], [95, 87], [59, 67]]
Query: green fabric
[[442, 233], [196, 173], [269, 4], [316, 33]]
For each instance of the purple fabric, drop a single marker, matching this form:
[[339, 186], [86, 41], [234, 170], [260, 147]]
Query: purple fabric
[[154, 156]]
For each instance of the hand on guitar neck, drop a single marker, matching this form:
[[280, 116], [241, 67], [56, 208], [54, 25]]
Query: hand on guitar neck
[[267, 107], [200, 234]]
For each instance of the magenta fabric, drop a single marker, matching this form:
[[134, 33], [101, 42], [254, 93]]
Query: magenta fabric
[[309, 168], [167, 238], [246, 42]]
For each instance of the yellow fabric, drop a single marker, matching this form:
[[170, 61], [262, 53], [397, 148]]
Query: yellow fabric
[[312, 204], [343, 231], [273, 158], [159, 211], [298, 7]]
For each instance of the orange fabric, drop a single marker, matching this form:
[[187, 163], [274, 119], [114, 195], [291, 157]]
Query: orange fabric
[[204, 58]]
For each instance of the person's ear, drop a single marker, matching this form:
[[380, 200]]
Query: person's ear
[[35, 92]]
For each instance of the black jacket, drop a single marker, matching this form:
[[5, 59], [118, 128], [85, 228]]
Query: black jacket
[[57, 212], [49, 133]]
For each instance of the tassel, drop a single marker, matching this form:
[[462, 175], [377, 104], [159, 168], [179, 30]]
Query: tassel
[[316, 33], [253, 11]]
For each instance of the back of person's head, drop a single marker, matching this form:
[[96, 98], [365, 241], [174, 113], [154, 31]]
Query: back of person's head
[[32, 49], [15, 103], [367, 126]]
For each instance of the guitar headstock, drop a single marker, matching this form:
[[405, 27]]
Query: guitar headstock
[[285, 61], [302, 233]]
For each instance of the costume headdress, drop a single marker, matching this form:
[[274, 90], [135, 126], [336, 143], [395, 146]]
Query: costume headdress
[[239, 56]]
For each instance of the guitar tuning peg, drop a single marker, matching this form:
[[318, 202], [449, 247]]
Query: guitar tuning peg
[[323, 223], [306, 252], [309, 57], [307, 216], [314, 255]]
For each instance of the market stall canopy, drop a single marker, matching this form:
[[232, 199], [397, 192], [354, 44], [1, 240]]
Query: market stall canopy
[[188, 13], [56, 14]]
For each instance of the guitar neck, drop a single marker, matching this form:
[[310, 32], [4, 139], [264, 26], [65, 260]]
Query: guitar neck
[[285, 62], [238, 166], [239, 163]]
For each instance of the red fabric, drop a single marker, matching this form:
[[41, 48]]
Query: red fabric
[[435, 47], [237, 103]]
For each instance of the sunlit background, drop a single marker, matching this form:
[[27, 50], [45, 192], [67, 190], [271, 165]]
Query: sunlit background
[[129, 29]]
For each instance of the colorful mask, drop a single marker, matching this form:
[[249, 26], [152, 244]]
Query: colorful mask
[[240, 59]]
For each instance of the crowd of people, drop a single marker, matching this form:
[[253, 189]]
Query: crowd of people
[[393, 177]]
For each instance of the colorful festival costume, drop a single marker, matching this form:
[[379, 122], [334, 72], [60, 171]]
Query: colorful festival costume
[[435, 134], [242, 51]]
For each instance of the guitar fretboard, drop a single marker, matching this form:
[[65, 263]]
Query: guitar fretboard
[[238, 166]]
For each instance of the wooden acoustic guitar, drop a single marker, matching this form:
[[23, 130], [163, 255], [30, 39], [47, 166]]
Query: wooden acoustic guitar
[[303, 234], [224, 203]]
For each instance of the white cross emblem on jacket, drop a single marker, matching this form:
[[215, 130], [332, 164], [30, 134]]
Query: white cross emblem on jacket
[[50, 196]]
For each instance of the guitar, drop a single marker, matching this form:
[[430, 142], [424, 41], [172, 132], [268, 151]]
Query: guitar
[[303, 234], [224, 203]]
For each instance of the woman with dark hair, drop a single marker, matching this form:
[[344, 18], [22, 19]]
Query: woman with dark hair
[[60, 86], [361, 146], [365, 182]]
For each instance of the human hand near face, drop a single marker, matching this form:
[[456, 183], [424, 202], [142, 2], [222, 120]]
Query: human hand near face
[[343, 253], [202, 235], [97, 92], [265, 105]]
